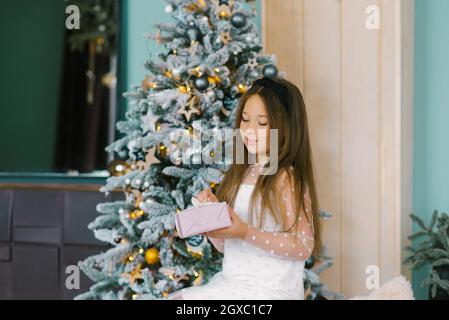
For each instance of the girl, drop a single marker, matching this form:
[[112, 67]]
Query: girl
[[275, 218]]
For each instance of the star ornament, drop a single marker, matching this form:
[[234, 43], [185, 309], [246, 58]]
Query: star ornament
[[149, 121], [189, 109], [252, 63], [226, 37], [150, 159], [134, 275]]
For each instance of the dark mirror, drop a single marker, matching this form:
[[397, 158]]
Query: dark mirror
[[58, 86]]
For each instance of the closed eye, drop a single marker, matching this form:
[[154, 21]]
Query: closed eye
[[260, 124]]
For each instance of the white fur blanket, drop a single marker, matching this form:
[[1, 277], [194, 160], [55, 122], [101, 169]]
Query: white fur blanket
[[396, 289]]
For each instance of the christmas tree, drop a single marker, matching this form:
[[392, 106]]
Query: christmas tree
[[211, 56]]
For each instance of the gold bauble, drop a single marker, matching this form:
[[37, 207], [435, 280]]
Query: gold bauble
[[136, 214], [163, 150], [118, 168], [100, 41], [214, 80], [184, 89], [152, 256]]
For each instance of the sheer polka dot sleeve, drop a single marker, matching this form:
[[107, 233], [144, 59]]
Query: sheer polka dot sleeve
[[218, 243], [298, 242]]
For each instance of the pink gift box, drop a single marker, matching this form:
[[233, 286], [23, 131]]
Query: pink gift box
[[201, 219]]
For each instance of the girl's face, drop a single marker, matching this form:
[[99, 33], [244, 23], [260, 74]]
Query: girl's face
[[255, 118]]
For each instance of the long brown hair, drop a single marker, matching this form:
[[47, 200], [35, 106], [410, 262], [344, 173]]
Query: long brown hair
[[294, 152]]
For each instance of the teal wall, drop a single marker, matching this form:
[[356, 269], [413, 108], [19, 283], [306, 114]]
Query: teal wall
[[431, 124], [139, 19], [30, 62]]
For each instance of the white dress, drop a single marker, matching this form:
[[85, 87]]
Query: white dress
[[258, 267]]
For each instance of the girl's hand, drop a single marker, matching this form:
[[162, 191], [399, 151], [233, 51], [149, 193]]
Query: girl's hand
[[206, 196], [237, 230]]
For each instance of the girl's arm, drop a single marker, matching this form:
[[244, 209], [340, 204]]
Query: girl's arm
[[218, 243], [298, 243]]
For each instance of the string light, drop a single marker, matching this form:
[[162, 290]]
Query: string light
[[242, 88]]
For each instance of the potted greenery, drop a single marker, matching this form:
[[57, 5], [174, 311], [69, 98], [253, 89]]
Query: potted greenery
[[433, 250]]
